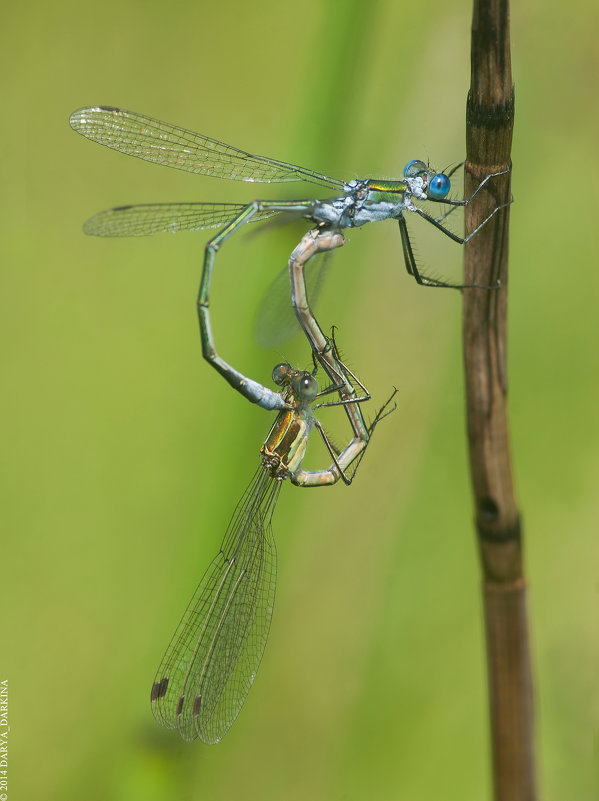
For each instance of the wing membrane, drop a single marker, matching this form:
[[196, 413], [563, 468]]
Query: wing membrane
[[212, 660], [152, 218], [275, 321], [162, 143]]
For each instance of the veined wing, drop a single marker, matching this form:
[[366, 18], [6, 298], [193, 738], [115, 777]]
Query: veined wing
[[162, 143], [153, 218], [212, 660], [275, 322]]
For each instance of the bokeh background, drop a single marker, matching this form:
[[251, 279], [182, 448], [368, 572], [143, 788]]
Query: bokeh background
[[123, 454]]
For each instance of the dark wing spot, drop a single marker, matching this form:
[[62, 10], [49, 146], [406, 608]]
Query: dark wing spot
[[196, 705], [180, 705], [159, 689]]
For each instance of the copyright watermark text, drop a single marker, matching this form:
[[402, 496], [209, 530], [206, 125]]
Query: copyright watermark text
[[4, 730]]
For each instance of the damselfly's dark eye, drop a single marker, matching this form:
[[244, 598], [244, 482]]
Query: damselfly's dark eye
[[280, 374], [305, 386]]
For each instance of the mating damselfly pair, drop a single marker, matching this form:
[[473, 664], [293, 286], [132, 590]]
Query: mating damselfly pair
[[212, 660]]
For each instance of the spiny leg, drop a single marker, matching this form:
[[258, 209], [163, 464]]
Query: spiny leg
[[461, 240], [317, 241], [319, 478], [342, 377], [409, 259], [456, 204], [467, 201], [412, 268]]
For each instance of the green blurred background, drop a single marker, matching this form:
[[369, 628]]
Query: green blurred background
[[124, 454]]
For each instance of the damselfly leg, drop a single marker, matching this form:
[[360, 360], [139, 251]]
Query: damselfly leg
[[419, 168]]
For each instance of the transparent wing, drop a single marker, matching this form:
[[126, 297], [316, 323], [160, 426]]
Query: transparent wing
[[212, 660], [162, 143], [275, 322], [152, 218]]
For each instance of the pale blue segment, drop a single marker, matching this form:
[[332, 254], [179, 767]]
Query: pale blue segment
[[261, 395]]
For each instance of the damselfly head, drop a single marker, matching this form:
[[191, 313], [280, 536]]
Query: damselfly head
[[436, 185], [302, 383]]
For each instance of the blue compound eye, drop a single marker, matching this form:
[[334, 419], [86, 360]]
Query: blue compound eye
[[414, 169], [439, 187]]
